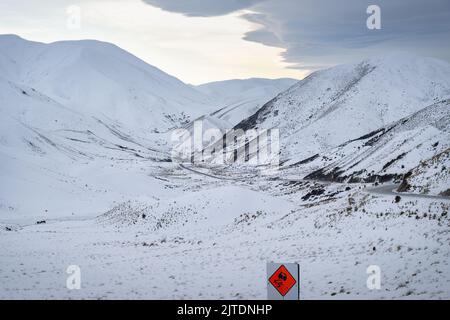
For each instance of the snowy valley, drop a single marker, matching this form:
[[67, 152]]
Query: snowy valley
[[87, 179]]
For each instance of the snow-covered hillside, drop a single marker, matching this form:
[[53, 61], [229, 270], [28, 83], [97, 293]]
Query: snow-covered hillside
[[235, 100], [431, 176], [57, 162], [388, 152], [100, 79], [238, 99], [76, 116], [333, 106]]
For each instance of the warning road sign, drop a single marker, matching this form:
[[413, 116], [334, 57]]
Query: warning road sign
[[283, 281]]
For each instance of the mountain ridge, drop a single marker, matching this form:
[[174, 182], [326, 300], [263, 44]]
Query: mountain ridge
[[364, 96]]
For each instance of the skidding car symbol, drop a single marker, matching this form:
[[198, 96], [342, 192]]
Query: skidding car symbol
[[281, 278]]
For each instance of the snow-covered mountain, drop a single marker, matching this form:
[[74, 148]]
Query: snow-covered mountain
[[235, 100], [74, 116], [100, 79], [339, 104], [238, 99], [86, 178], [389, 152], [74, 113]]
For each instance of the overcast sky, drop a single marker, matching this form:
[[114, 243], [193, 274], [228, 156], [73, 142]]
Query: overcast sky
[[206, 40]]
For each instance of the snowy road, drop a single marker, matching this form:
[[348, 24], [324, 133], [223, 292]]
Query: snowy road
[[203, 173], [389, 190]]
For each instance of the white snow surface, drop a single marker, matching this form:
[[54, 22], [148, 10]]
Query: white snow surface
[[431, 176], [86, 179]]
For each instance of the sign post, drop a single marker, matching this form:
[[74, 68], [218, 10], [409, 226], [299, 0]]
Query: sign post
[[283, 282]]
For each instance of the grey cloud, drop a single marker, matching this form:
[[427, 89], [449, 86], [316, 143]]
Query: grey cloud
[[265, 34], [265, 37], [202, 8], [318, 33], [327, 32]]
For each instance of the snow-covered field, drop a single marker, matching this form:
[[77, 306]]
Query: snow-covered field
[[213, 237], [86, 179]]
